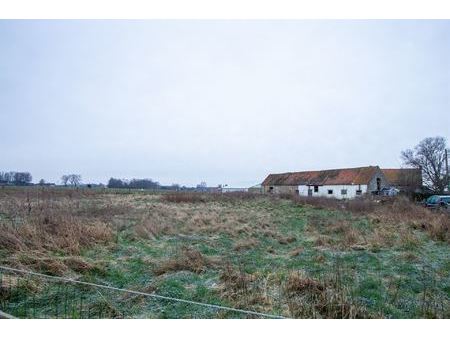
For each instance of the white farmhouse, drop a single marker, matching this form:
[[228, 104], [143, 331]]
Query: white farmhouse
[[337, 183]]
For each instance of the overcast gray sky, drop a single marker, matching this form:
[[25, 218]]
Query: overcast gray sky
[[220, 101]]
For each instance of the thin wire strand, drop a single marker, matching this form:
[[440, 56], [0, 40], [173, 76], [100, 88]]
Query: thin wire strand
[[153, 295]]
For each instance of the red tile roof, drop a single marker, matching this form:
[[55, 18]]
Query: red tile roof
[[360, 175], [403, 177]]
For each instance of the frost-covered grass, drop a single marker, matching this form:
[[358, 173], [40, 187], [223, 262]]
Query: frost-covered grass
[[272, 255]]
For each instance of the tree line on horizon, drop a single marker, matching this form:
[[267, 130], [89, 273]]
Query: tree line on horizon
[[15, 178], [135, 183], [430, 155]]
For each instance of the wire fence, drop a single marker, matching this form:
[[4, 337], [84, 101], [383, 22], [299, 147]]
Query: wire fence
[[27, 294]]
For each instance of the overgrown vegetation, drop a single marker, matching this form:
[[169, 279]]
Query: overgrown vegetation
[[296, 257]]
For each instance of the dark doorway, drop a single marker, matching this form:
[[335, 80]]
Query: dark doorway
[[378, 184]]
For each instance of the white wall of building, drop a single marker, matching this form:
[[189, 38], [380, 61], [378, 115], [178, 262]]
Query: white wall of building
[[336, 190]]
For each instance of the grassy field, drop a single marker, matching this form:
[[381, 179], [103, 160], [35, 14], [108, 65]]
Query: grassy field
[[301, 258]]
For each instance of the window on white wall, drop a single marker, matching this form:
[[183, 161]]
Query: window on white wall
[[316, 188], [358, 192], [330, 192], [344, 192]]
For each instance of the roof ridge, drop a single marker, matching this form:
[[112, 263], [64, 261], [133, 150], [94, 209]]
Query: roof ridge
[[307, 171], [355, 175]]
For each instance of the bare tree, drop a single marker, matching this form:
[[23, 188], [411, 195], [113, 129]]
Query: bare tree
[[72, 179], [429, 156], [65, 179], [16, 178]]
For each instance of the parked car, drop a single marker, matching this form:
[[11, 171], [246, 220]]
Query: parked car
[[390, 191], [438, 201]]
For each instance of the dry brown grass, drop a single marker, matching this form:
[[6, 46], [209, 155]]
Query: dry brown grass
[[357, 205], [237, 221], [245, 244], [187, 259], [152, 227], [61, 233], [35, 225], [394, 221], [295, 252], [286, 239], [328, 298], [79, 264], [401, 212], [244, 289], [184, 197], [200, 197]]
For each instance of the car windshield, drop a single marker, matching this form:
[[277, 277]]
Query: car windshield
[[432, 199]]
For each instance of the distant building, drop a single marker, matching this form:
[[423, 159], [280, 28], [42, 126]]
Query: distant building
[[228, 189], [405, 179], [337, 183], [47, 184], [256, 189]]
